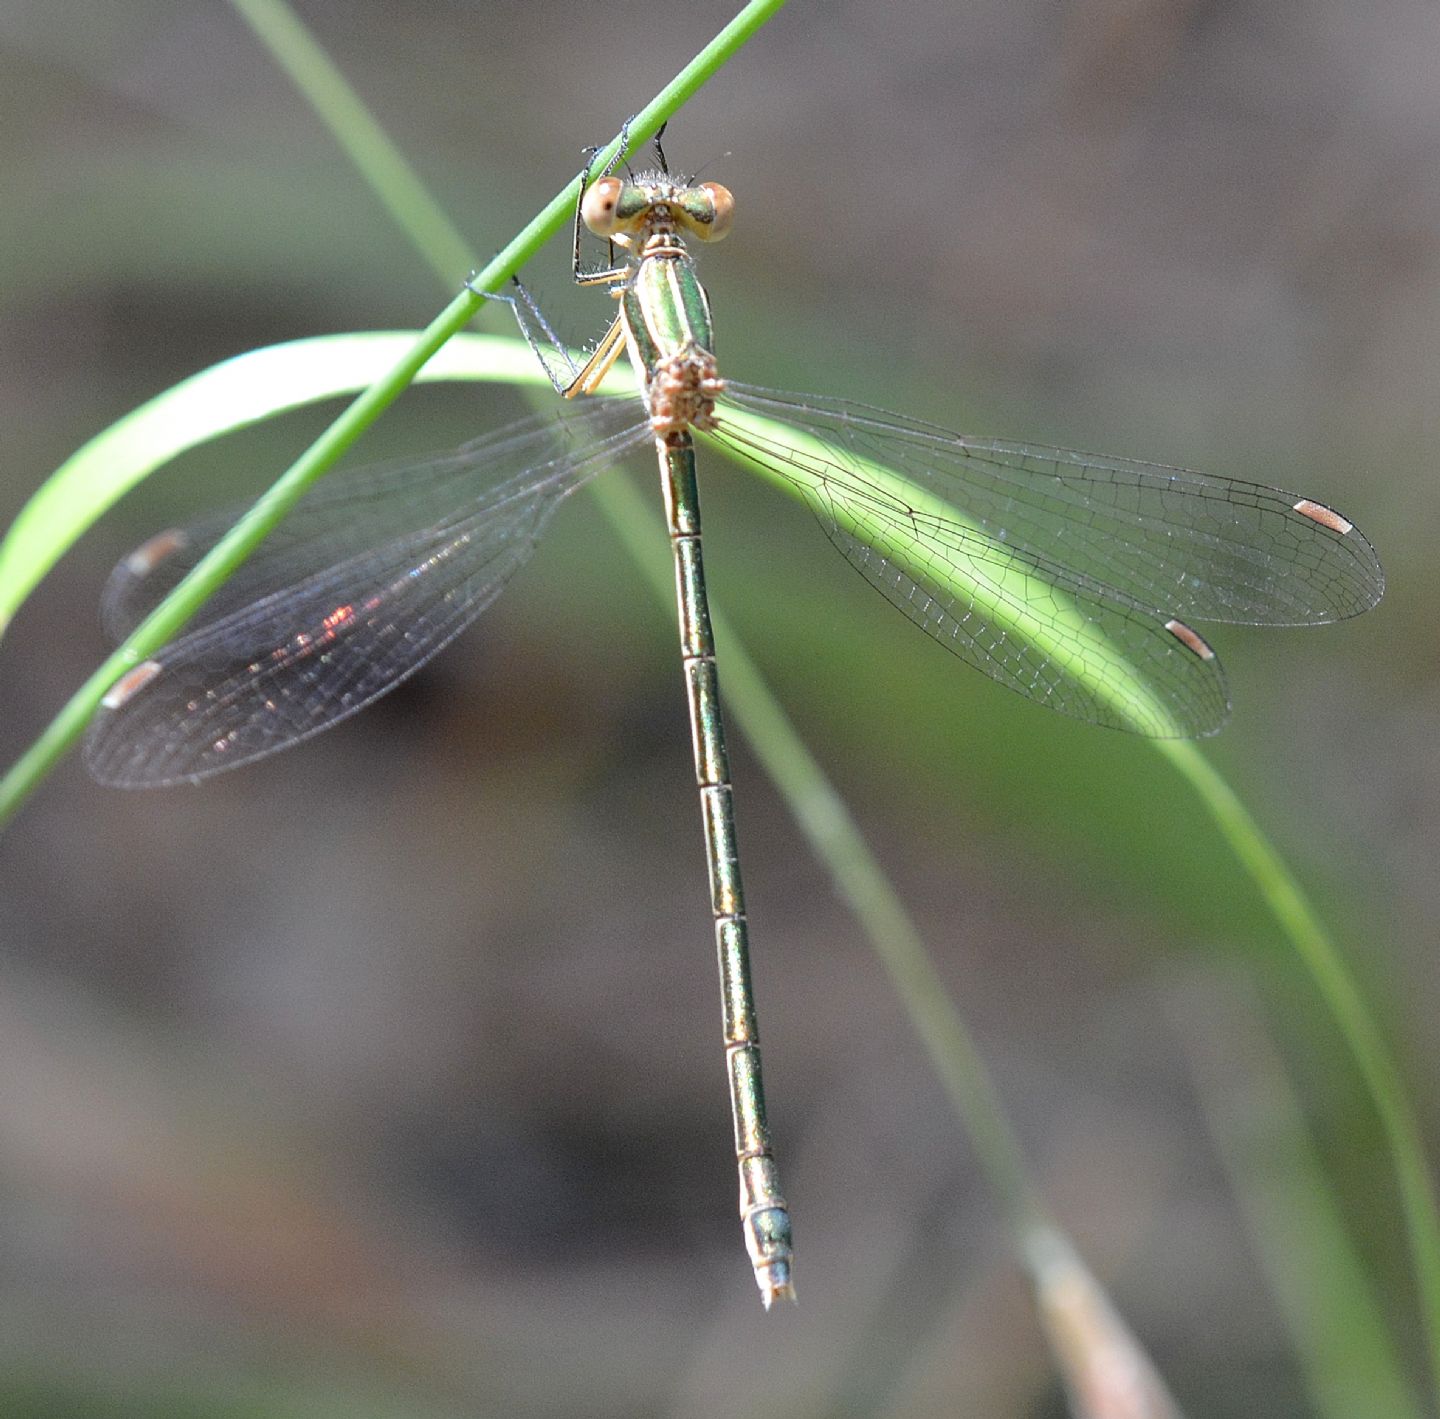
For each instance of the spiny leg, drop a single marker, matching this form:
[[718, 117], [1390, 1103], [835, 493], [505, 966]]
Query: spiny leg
[[565, 375], [612, 271], [659, 151]]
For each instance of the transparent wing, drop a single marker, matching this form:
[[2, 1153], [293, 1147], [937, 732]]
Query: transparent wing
[[1189, 544], [1060, 575], [375, 570], [353, 510]]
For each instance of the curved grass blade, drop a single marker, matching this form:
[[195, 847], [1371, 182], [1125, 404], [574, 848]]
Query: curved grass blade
[[228, 396]]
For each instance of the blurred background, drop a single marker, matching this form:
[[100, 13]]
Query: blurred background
[[385, 1077]]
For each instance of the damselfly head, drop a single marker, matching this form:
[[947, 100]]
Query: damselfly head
[[614, 207]]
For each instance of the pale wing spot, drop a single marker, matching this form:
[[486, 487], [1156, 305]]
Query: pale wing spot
[[1325, 516], [1189, 639], [130, 684], [163, 545]]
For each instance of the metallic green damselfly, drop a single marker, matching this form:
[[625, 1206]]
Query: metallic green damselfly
[[1068, 577]]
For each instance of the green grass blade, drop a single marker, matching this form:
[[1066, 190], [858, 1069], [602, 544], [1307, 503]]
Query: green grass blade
[[228, 396]]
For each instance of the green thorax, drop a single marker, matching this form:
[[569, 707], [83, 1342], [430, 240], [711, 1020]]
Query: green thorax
[[665, 309]]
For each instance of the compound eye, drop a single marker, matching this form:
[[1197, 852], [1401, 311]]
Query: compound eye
[[705, 211], [722, 210], [600, 207]]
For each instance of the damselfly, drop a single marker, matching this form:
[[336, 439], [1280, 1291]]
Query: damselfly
[[1070, 578]]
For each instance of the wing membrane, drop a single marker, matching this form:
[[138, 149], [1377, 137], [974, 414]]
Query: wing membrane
[[408, 555], [1188, 544], [1029, 623]]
